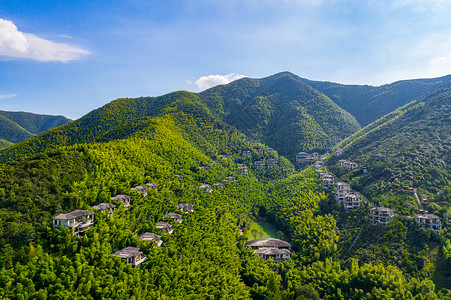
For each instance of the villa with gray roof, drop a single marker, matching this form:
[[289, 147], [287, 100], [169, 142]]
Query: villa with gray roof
[[268, 243], [78, 220], [174, 216], [381, 215], [151, 237], [132, 255], [165, 226], [186, 207], [105, 207], [125, 199], [428, 221]]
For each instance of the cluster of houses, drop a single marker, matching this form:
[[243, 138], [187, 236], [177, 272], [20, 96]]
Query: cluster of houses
[[378, 215], [350, 165], [81, 220], [260, 151], [268, 248], [270, 162], [305, 159]]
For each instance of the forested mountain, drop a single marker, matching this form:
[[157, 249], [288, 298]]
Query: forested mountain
[[204, 257], [18, 126], [408, 147], [369, 103], [12, 131], [281, 111], [181, 141]]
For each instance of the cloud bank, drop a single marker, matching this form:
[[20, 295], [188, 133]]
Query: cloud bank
[[15, 44], [206, 82], [7, 96]]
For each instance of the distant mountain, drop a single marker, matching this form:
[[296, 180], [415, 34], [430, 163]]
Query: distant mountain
[[369, 103], [11, 131], [408, 147], [281, 111], [18, 126]]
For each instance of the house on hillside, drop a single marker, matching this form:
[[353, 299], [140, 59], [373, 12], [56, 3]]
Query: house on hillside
[[174, 216], [350, 165], [271, 162], [339, 152], [268, 248], [219, 184], [151, 237], [186, 207], [105, 207], [132, 255], [327, 181], [205, 168], [304, 159], [178, 176], [78, 221], [428, 221], [165, 226], [246, 153], [352, 201], [206, 187], [341, 190], [151, 186], [278, 255], [125, 199], [223, 156], [381, 215], [259, 150], [268, 243], [140, 189], [242, 168], [259, 164]]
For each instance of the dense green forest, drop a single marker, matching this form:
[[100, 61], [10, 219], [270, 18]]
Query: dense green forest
[[369, 103], [407, 148], [18, 126], [180, 141], [281, 111]]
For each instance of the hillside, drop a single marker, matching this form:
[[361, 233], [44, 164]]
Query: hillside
[[18, 126], [204, 257], [408, 147], [12, 131], [369, 103], [281, 111]]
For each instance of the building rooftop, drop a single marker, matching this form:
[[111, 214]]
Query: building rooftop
[[104, 206], [149, 236], [73, 214], [272, 251], [382, 209], [128, 252], [427, 216], [268, 242]]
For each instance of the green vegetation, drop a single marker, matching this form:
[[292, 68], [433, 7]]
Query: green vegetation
[[18, 126], [369, 103], [263, 229], [407, 148], [130, 142], [282, 112]]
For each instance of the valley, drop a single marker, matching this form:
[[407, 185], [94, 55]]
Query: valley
[[230, 151]]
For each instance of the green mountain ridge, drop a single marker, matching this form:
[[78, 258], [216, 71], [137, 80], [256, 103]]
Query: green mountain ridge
[[18, 126], [408, 147], [369, 103], [281, 111]]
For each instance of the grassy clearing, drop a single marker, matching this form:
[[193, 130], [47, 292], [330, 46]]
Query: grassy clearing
[[262, 229]]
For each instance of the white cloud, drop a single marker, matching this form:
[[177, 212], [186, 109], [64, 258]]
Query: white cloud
[[6, 96], [206, 82], [15, 44]]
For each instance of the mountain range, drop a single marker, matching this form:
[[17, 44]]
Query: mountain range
[[189, 148], [16, 127]]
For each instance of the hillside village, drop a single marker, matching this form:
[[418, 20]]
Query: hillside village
[[351, 199]]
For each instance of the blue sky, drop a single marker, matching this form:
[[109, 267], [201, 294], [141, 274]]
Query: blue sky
[[70, 57]]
